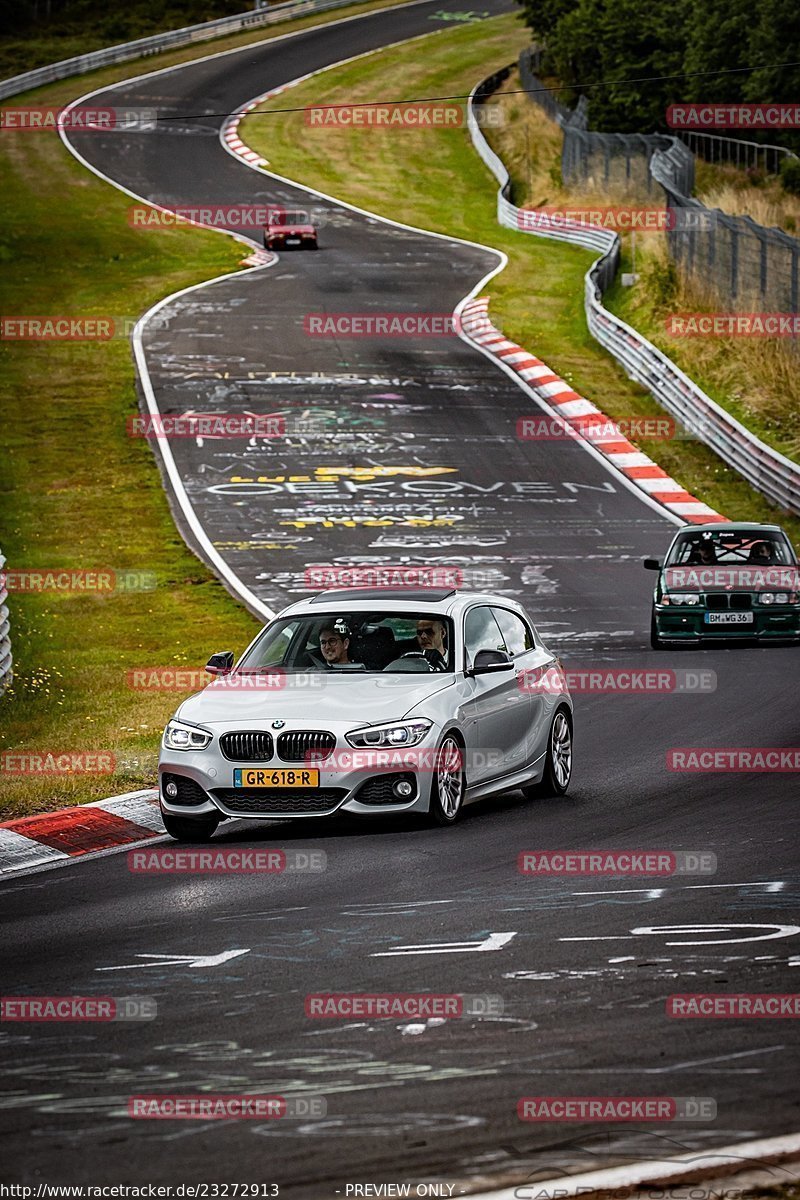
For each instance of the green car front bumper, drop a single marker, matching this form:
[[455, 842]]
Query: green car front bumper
[[690, 623]]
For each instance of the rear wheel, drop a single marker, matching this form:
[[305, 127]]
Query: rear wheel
[[188, 829], [449, 782], [558, 762]]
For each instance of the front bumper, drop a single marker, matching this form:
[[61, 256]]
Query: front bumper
[[682, 623], [205, 781]]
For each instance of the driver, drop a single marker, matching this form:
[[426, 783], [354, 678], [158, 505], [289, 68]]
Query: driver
[[431, 634], [334, 643]]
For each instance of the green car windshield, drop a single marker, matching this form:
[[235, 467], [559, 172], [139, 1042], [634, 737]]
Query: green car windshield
[[753, 547]]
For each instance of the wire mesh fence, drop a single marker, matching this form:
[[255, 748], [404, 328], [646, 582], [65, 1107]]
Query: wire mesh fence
[[739, 262]]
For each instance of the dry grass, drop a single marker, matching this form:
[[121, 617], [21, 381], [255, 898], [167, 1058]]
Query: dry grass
[[735, 193], [756, 379]]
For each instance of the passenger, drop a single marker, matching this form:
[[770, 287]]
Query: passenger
[[760, 552]]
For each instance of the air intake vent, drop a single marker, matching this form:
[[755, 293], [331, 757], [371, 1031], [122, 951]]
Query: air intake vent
[[249, 745], [301, 743]]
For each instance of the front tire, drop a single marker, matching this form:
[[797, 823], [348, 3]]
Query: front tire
[[558, 764], [449, 782], [186, 829], [655, 638]]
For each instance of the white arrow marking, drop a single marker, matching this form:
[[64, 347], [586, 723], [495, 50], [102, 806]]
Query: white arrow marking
[[182, 960], [495, 941], [779, 931]]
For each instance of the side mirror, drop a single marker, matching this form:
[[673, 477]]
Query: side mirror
[[221, 664], [652, 564], [487, 662]]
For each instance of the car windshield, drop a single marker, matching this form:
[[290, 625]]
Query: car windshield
[[289, 217], [753, 547], [352, 643]]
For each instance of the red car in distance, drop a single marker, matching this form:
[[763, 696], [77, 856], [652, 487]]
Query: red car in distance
[[287, 230]]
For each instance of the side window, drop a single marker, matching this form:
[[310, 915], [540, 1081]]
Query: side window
[[272, 649], [518, 637], [481, 632]]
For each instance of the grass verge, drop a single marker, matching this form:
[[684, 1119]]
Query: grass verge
[[434, 179], [75, 491], [43, 44]]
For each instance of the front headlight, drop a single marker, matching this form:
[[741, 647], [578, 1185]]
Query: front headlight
[[777, 598], [404, 733], [681, 598], [178, 736]]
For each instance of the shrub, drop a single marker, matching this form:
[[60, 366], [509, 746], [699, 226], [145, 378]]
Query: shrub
[[790, 175]]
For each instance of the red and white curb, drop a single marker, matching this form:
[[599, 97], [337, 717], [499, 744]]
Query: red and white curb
[[637, 467], [52, 838], [232, 142], [230, 128]]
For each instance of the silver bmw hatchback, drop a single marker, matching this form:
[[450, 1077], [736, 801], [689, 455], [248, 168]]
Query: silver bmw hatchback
[[371, 701]]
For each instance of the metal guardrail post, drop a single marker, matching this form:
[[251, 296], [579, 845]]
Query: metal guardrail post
[[159, 42]]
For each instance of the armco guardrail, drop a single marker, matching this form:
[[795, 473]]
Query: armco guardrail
[[5, 632], [776, 476], [159, 42], [736, 152]]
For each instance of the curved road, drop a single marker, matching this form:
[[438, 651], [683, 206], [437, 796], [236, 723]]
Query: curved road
[[585, 976]]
